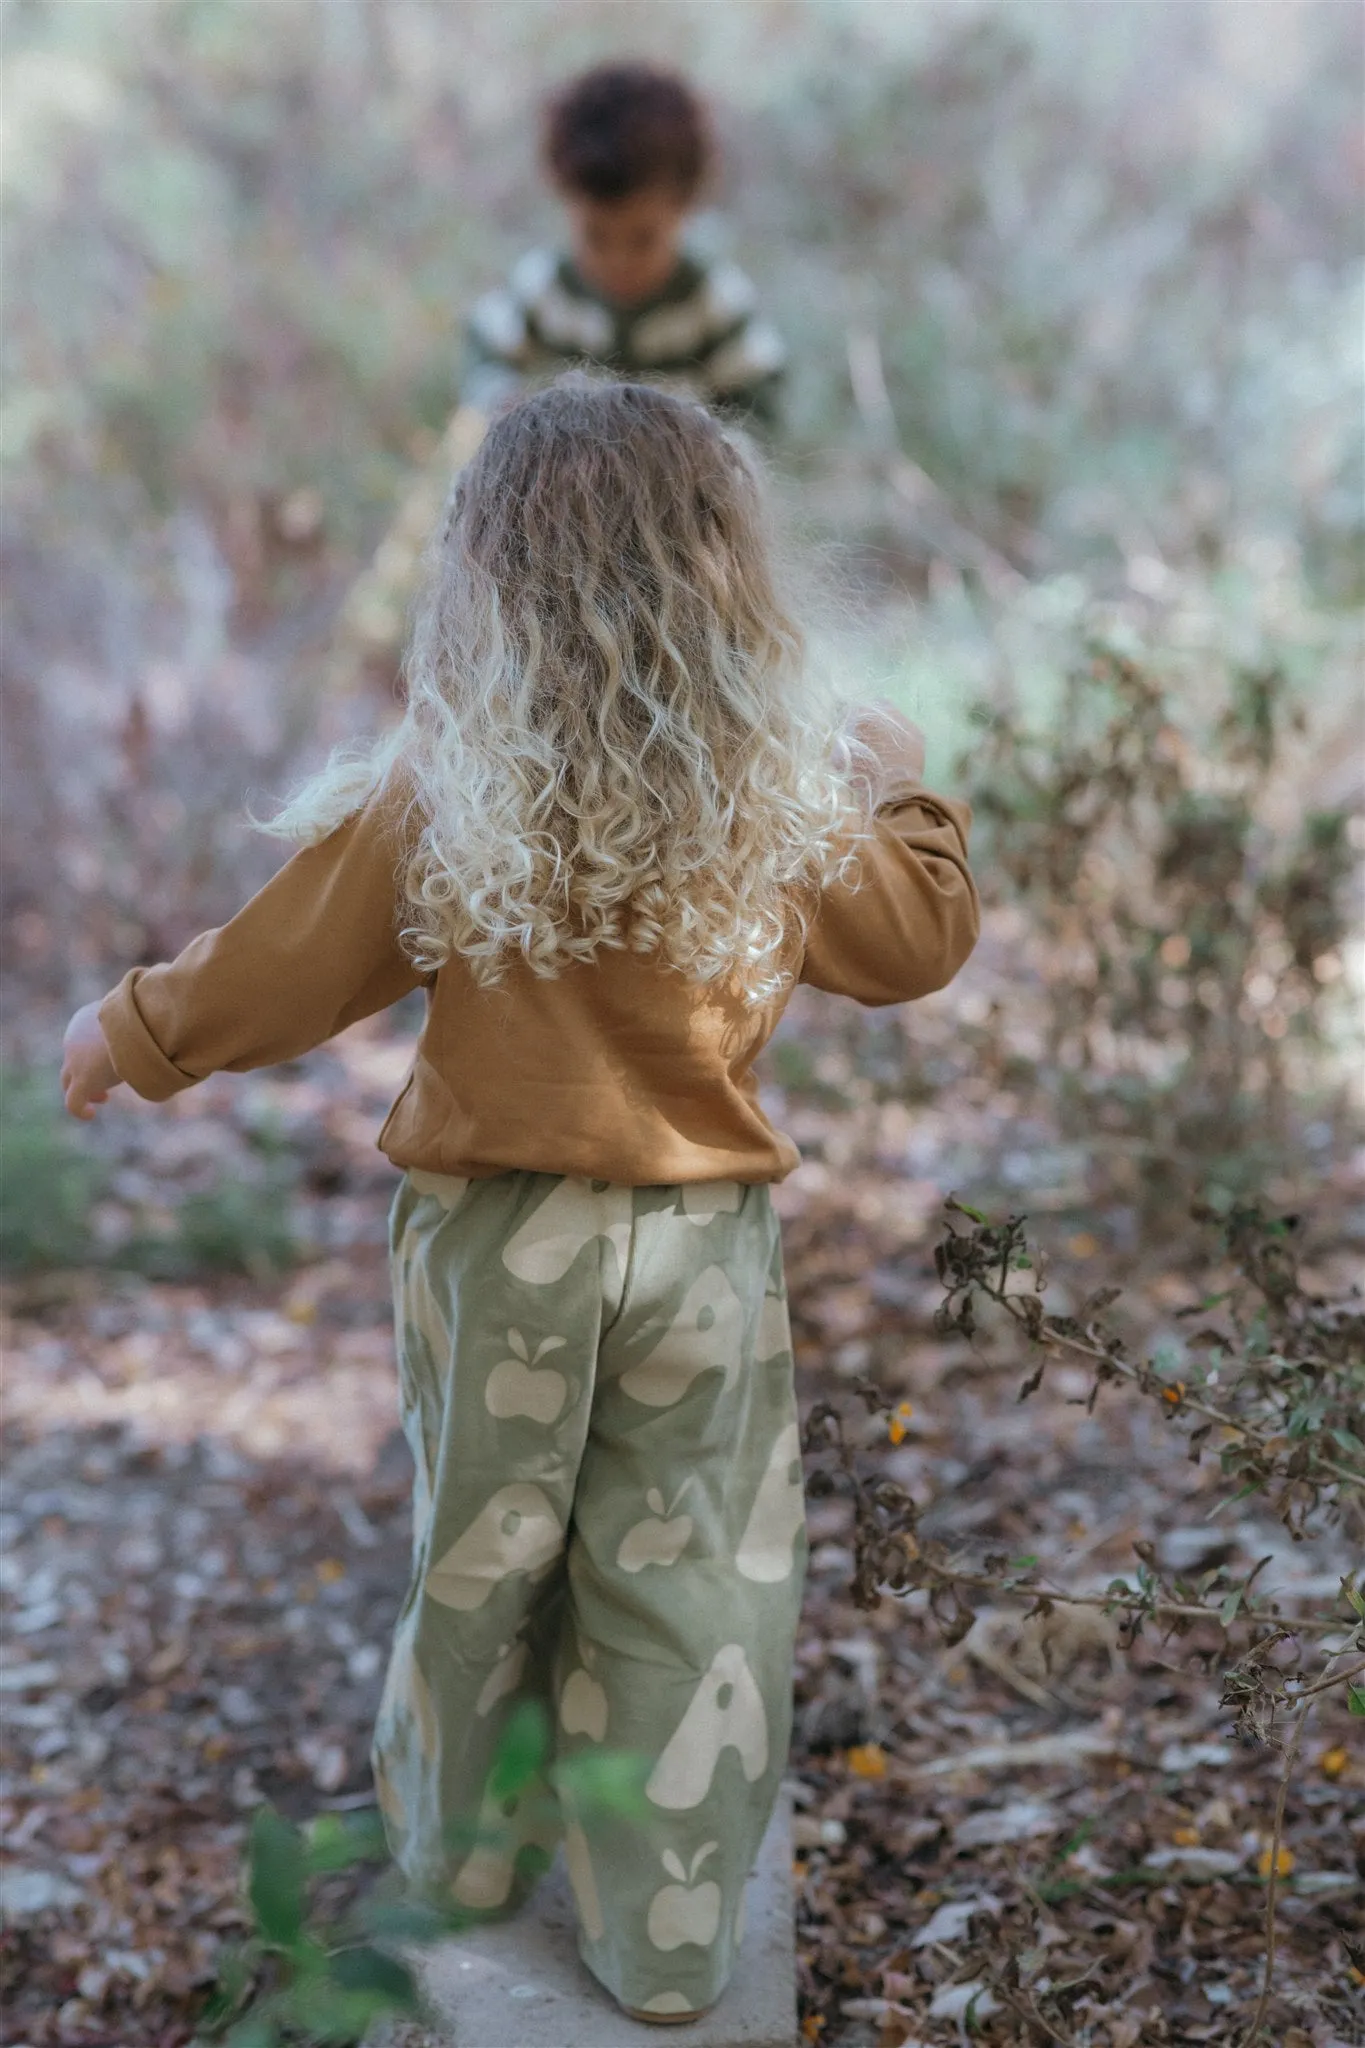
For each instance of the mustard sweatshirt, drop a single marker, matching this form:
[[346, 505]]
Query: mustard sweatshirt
[[618, 1069]]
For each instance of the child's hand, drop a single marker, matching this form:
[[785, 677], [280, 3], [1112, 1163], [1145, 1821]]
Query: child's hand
[[88, 1073], [896, 745]]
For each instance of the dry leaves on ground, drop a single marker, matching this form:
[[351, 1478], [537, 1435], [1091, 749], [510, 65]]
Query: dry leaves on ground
[[1028, 1833]]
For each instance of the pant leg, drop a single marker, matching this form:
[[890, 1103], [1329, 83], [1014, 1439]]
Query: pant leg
[[685, 1568], [500, 1289]]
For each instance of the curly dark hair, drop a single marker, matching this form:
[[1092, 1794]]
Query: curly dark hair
[[620, 129]]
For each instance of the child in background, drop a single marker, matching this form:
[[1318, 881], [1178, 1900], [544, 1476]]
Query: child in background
[[617, 823], [629, 152]]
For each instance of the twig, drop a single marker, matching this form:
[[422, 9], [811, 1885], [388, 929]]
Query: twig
[[992, 1257], [1272, 1879], [1048, 1337], [935, 518], [1059, 1339], [1316, 1624], [1252, 2034], [1031, 2018], [1338, 1678], [931, 1574]]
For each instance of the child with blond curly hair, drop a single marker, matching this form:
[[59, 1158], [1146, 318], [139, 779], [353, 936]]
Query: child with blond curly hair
[[619, 821]]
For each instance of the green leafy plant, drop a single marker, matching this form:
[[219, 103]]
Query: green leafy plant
[[309, 1974], [55, 1179], [238, 1226]]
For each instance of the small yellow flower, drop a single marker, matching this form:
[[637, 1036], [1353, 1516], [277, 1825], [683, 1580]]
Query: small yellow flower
[[895, 1429], [1333, 1762], [1284, 1863], [1185, 1838], [330, 1570], [813, 2026], [1175, 1395], [867, 1760], [1082, 1245]]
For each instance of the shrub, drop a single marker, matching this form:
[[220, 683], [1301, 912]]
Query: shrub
[[1272, 1384], [57, 1186], [50, 1182], [1188, 944]]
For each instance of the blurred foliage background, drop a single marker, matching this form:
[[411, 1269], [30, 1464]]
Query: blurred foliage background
[[1074, 299]]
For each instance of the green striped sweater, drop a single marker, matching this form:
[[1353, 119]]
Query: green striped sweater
[[702, 333]]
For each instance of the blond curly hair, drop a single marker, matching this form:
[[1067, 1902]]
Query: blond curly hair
[[611, 735]]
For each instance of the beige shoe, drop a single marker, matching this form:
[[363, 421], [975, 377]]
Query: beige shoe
[[667, 2019]]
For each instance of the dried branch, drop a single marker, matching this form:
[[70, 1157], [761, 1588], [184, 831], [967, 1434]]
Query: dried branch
[[1291, 1753], [1297, 1366]]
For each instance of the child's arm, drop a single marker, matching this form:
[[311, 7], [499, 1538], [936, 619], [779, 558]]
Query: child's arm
[[907, 921], [315, 950], [500, 350], [745, 375], [744, 359], [88, 1073]]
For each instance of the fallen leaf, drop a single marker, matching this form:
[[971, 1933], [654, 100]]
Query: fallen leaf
[[1023, 1820], [24, 1894], [1179, 1757], [952, 1920], [956, 2001], [1029, 1751], [867, 1760], [1195, 1862]]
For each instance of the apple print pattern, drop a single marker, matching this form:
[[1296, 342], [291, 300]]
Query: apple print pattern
[[707, 1331], [504, 1678], [583, 1708], [547, 1244], [597, 1381], [515, 1387], [685, 1911], [516, 1531], [726, 1711], [655, 1541], [778, 1514]]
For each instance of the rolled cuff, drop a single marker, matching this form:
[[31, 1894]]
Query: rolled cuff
[[137, 1057], [938, 810]]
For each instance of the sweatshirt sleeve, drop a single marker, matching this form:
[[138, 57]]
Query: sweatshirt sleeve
[[908, 918], [316, 949]]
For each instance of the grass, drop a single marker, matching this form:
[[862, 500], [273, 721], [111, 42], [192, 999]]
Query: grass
[[54, 1186], [49, 1185]]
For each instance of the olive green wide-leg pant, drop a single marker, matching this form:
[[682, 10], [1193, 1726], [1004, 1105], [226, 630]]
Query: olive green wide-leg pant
[[596, 1382]]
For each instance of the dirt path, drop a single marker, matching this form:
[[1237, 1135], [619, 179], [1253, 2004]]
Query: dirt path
[[205, 1533]]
